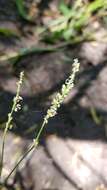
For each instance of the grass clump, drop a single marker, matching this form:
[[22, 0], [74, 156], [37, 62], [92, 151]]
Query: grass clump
[[74, 20], [51, 112]]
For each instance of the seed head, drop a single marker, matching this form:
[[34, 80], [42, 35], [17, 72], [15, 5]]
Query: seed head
[[59, 98]]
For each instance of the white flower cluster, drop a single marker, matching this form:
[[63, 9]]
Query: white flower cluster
[[16, 102], [17, 98], [18, 105], [58, 100]]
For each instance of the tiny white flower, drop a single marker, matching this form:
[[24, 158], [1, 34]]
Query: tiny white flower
[[59, 98]]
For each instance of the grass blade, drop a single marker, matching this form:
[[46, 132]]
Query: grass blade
[[21, 10]]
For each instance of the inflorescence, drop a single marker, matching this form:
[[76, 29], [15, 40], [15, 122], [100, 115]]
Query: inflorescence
[[58, 100]]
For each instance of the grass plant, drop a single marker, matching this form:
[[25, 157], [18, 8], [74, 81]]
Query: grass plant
[[51, 112], [74, 20], [16, 106]]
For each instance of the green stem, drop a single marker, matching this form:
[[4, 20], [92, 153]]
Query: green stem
[[4, 137], [33, 146], [39, 133], [20, 160], [9, 122], [26, 51]]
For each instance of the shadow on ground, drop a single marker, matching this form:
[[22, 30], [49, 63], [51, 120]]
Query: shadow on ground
[[73, 120]]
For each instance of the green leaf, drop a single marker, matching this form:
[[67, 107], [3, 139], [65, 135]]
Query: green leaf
[[64, 8], [67, 34], [96, 5], [21, 10], [8, 32], [95, 117]]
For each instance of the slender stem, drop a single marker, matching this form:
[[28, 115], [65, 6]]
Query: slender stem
[[51, 112], [9, 121], [20, 160], [2, 157], [4, 137], [39, 133], [33, 146]]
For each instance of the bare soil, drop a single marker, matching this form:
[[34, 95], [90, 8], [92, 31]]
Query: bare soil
[[73, 151]]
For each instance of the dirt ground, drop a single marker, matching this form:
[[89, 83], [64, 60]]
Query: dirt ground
[[73, 151]]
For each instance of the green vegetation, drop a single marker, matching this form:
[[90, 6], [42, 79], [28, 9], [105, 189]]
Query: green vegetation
[[73, 25], [74, 20], [21, 10]]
